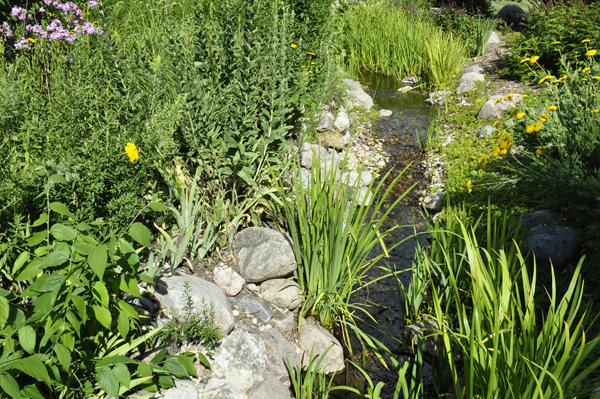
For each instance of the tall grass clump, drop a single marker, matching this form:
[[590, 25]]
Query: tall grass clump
[[382, 37]]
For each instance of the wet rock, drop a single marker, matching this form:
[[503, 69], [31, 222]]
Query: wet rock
[[308, 151], [241, 359], [229, 280], [282, 293], [433, 202], [256, 307], [316, 338], [271, 388], [326, 123], [358, 96], [514, 16], [342, 122], [262, 254], [471, 77], [385, 113], [219, 388], [553, 244], [410, 81], [465, 86], [493, 109], [169, 292], [486, 132], [423, 330], [183, 390], [475, 68], [332, 139], [278, 350], [404, 89]]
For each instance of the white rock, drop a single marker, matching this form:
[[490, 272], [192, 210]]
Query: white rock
[[219, 388], [366, 178], [471, 77], [493, 38], [347, 138], [342, 122], [279, 350], [271, 388], [358, 96], [183, 390], [385, 113], [229, 280], [282, 293], [316, 339], [307, 151], [364, 196], [404, 89], [350, 178], [326, 123]]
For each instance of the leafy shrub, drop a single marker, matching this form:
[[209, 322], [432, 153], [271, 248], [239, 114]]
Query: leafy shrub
[[567, 22], [454, 20]]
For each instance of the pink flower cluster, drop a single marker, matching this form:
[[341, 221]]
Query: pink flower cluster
[[67, 28]]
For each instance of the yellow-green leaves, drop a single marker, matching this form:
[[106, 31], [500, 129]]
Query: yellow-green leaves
[[141, 234]]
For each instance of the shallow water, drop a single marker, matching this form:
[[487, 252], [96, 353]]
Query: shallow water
[[410, 117]]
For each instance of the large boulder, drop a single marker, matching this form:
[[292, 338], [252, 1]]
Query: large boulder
[[495, 105], [241, 359], [513, 16], [358, 96], [219, 388], [556, 245], [183, 389], [170, 294], [279, 351], [282, 293], [262, 254], [271, 388], [315, 340]]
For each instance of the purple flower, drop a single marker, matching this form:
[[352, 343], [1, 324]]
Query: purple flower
[[42, 9], [22, 44], [92, 4], [7, 30], [19, 13], [68, 59]]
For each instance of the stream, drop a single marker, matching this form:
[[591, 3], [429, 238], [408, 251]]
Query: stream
[[399, 132]]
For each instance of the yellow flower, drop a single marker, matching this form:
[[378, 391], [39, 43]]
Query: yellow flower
[[556, 43], [498, 100], [591, 53], [586, 69], [552, 108], [520, 115], [524, 95], [584, 79], [596, 78], [31, 40], [540, 150], [310, 71], [563, 77], [312, 63], [132, 152], [524, 60], [293, 45], [555, 81], [579, 106], [469, 186], [545, 78], [303, 66], [585, 41], [495, 152], [508, 97], [309, 53], [537, 127], [484, 161], [529, 129], [596, 111], [534, 59], [587, 110], [495, 124], [544, 117], [504, 151]]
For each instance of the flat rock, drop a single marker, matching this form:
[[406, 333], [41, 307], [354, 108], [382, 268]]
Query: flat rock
[[241, 359], [326, 123], [486, 132], [385, 113], [169, 292], [256, 307], [342, 122], [492, 109], [475, 68], [308, 151], [465, 86], [278, 350], [229, 280], [316, 339], [282, 293], [358, 95], [433, 202], [471, 77], [270, 388], [219, 388], [183, 389], [553, 244], [262, 254], [332, 139]]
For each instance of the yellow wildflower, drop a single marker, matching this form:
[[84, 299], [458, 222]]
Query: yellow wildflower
[[556, 43], [524, 95], [310, 71], [312, 63], [585, 41], [520, 115], [534, 59], [563, 77], [293, 45], [529, 129], [303, 66], [591, 53], [508, 97], [495, 124], [537, 127], [584, 79], [309, 53], [596, 111], [544, 117], [596, 78], [552, 108], [545, 78], [555, 81], [132, 152], [579, 106], [524, 60], [540, 150], [504, 151], [469, 186], [484, 161], [586, 69], [31, 40], [502, 144], [498, 100], [587, 110], [495, 152]]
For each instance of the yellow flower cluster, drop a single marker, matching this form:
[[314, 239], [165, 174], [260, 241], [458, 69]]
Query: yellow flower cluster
[[544, 117], [534, 59], [545, 79], [293, 45], [536, 127], [469, 186], [596, 78], [520, 115], [552, 108], [586, 69], [503, 145], [132, 152], [484, 161], [541, 149], [591, 53], [508, 97]]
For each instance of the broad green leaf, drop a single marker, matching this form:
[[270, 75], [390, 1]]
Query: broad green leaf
[[175, 367], [55, 258], [33, 367], [58, 179], [144, 369], [27, 338], [21, 260], [31, 270], [63, 354], [63, 233], [83, 226], [47, 282], [123, 325], [102, 315], [158, 207], [141, 234], [112, 360], [31, 391], [127, 308], [10, 385], [159, 356], [74, 322], [68, 340], [101, 293], [108, 382], [188, 364], [79, 306], [82, 247], [121, 373], [129, 285], [61, 209], [4, 311], [97, 260], [41, 220], [165, 381], [36, 238], [203, 360]]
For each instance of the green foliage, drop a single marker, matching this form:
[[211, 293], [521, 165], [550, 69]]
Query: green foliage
[[454, 20], [568, 22], [396, 42], [64, 329], [483, 31]]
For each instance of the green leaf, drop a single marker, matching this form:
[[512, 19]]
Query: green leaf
[[127, 308], [203, 360], [158, 207], [79, 303], [31, 270], [74, 322], [63, 354], [68, 340], [4, 311], [47, 282], [24, 257], [108, 382], [36, 238], [103, 316], [10, 385], [31, 391], [121, 373], [58, 179], [61, 209], [33, 367], [55, 258], [141, 234], [123, 325], [41, 220], [27, 338], [63, 233], [184, 358], [97, 260], [129, 285], [175, 367], [101, 293], [165, 381], [144, 369], [159, 356]]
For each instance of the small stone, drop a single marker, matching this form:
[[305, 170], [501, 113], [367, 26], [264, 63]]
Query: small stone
[[257, 307], [183, 390], [475, 68], [410, 81], [493, 38], [385, 113], [236, 313], [405, 89], [282, 293], [326, 123], [364, 197], [486, 132], [331, 139], [248, 322], [433, 202], [465, 86], [342, 122], [254, 330], [429, 341], [229, 280], [252, 287], [471, 77], [358, 95], [308, 151]]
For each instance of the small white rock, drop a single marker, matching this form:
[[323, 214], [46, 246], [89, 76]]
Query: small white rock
[[385, 113]]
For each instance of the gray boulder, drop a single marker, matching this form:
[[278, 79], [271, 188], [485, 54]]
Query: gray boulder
[[256, 307], [486, 132], [342, 122], [492, 109], [262, 254], [465, 86], [316, 339], [357, 94], [169, 292], [475, 68], [326, 123], [271, 388], [433, 202], [279, 350], [219, 388], [282, 293], [471, 77], [307, 151], [183, 389], [513, 16], [556, 245], [241, 359], [424, 330]]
